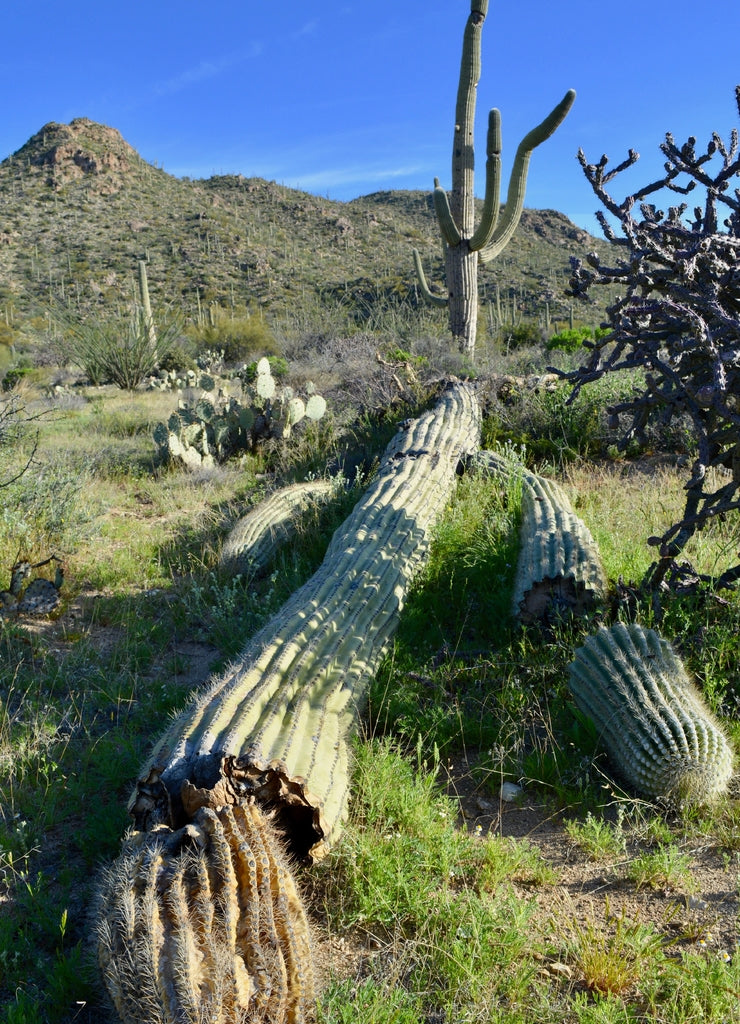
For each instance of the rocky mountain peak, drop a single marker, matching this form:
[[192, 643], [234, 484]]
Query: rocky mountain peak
[[82, 147]]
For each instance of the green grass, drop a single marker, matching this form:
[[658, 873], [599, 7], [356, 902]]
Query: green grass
[[447, 920], [601, 840]]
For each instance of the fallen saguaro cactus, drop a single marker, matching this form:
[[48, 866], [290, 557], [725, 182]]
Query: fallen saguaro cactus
[[256, 536], [653, 722], [559, 569], [178, 932]]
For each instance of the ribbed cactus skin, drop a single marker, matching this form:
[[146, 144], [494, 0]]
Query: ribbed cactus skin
[[559, 569], [199, 921], [277, 723], [205, 925], [464, 245], [256, 537], [654, 724]]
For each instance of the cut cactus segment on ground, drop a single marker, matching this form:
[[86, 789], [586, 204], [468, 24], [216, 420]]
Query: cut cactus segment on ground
[[653, 722]]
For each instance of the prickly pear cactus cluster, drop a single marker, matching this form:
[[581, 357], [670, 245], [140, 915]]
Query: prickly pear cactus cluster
[[219, 424], [654, 724]]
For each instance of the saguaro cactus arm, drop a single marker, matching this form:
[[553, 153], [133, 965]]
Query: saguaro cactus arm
[[430, 296], [501, 233], [492, 201]]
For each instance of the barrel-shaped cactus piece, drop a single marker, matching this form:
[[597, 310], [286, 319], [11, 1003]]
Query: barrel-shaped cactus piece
[[559, 569], [256, 537], [654, 724], [205, 925], [277, 724]]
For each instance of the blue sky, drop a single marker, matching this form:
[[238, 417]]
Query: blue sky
[[345, 98]]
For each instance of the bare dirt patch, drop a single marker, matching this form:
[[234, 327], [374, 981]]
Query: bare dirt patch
[[703, 914]]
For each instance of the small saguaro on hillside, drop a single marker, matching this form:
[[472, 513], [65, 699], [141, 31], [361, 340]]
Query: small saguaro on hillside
[[465, 245]]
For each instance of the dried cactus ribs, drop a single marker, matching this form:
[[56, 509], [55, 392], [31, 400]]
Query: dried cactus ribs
[[199, 919], [255, 538], [559, 569], [655, 726]]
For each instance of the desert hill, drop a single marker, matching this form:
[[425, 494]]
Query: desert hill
[[79, 207]]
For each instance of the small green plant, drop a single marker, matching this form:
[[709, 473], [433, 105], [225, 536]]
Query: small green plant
[[372, 1001], [517, 860], [601, 840], [239, 337], [663, 868], [570, 339], [613, 956]]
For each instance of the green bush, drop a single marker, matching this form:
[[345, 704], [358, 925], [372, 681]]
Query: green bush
[[241, 338], [278, 369], [16, 374], [521, 336], [569, 340], [179, 357]]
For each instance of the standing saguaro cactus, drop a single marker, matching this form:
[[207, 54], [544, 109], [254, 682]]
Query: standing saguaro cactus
[[146, 304], [464, 244]]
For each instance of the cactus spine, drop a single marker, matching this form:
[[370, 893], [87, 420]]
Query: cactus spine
[[654, 724], [205, 925], [255, 538], [463, 244], [180, 917]]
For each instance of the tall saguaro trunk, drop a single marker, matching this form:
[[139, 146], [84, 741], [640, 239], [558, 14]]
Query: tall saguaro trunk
[[464, 244], [146, 304], [461, 262]]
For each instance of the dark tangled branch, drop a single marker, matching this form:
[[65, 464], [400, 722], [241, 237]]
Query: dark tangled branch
[[678, 320]]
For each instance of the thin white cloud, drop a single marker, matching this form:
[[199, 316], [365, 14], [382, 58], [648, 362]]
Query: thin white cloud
[[306, 30], [332, 177], [205, 70]]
